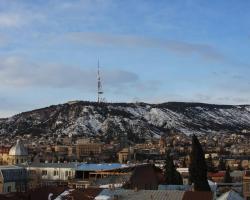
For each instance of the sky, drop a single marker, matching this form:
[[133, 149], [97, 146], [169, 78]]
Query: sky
[[149, 51]]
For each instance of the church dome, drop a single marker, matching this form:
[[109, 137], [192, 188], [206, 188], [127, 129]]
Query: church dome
[[18, 149]]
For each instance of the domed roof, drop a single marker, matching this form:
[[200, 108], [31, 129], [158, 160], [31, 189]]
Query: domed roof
[[18, 149]]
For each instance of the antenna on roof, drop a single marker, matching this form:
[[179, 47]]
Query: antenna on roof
[[99, 84]]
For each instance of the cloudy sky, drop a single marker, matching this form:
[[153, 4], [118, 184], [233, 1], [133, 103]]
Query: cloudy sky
[[151, 51]]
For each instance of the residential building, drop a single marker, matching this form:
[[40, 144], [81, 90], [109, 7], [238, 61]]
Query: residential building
[[86, 148], [13, 179], [124, 155], [52, 173]]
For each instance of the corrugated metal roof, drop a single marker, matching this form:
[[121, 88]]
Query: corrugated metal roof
[[175, 187], [99, 167], [143, 194], [80, 166]]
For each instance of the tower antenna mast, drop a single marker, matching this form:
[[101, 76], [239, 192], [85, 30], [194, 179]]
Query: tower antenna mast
[[99, 85]]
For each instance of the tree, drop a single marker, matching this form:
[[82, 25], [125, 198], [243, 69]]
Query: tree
[[222, 165], [198, 167], [172, 176], [227, 176], [210, 165]]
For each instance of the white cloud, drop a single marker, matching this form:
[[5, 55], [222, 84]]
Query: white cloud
[[11, 20], [20, 18], [16, 72], [180, 47]]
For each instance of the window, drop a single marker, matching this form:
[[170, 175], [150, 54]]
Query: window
[[9, 189], [66, 173], [44, 172], [55, 173]]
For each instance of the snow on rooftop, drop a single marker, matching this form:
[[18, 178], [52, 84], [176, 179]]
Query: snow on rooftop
[[230, 195], [64, 194], [103, 197]]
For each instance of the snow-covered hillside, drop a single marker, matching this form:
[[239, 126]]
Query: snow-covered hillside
[[133, 120]]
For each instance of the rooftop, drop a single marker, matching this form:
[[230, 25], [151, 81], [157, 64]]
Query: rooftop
[[4, 167], [141, 194], [80, 166], [100, 167], [18, 149], [230, 195]]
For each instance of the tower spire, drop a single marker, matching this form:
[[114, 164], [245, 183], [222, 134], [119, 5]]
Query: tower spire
[[99, 84]]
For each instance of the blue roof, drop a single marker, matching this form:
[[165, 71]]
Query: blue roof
[[80, 166], [99, 167]]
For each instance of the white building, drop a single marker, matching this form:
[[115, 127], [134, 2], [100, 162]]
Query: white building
[[53, 171]]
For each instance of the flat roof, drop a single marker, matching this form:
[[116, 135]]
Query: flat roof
[[10, 167], [79, 166], [52, 165], [99, 167]]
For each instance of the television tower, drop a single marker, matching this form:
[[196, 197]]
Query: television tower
[[99, 85]]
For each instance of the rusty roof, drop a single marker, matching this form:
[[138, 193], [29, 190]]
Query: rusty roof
[[197, 195]]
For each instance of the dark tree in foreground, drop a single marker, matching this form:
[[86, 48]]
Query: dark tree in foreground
[[198, 167], [227, 177], [172, 176], [222, 165]]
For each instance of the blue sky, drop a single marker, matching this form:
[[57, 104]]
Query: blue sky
[[151, 51]]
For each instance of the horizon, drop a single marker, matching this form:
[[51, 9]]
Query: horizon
[[164, 51]]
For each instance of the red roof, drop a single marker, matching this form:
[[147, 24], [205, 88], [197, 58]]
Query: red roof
[[197, 195], [86, 194], [216, 175]]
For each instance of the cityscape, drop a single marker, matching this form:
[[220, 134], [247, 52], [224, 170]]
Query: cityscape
[[124, 100]]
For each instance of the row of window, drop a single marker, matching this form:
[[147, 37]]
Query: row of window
[[56, 173], [19, 188]]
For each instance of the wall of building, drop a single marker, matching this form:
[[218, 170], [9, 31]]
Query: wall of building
[[62, 174]]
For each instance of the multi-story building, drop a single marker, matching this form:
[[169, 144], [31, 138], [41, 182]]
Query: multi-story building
[[123, 155], [86, 148], [4, 153], [51, 173], [72, 174], [13, 179]]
